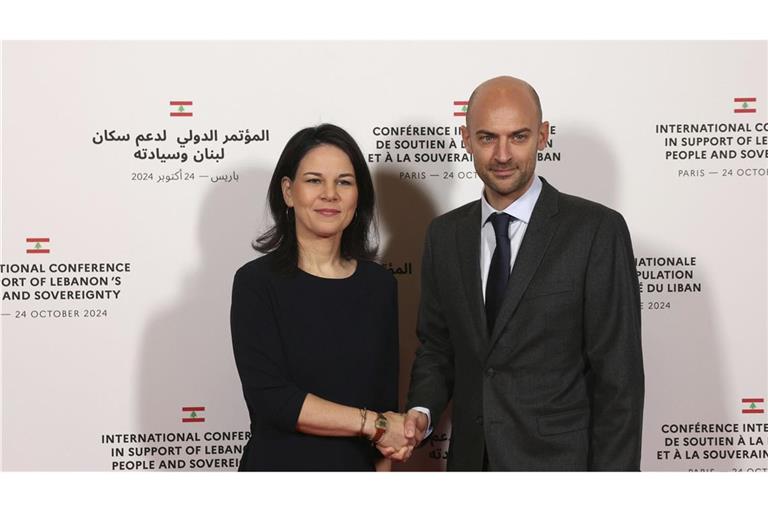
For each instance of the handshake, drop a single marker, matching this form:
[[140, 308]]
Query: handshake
[[394, 434]]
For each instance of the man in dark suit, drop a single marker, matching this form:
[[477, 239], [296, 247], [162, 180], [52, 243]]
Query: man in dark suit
[[530, 312]]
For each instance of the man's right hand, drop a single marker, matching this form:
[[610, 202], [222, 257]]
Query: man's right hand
[[393, 444], [413, 428], [416, 424]]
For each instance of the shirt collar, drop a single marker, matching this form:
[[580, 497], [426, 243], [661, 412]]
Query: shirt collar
[[521, 209]]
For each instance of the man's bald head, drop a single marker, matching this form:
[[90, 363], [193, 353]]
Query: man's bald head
[[503, 86], [504, 132]]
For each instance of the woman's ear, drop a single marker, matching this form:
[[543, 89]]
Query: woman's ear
[[287, 185]]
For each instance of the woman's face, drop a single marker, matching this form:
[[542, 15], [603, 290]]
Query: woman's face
[[323, 194]]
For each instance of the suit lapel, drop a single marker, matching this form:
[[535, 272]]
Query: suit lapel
[[468, 250], [535, 242]]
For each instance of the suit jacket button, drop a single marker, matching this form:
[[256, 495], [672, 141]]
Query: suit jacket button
[[479, 420], [490, 372]]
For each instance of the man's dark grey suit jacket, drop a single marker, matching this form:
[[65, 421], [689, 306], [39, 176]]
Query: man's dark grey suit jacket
[[558, 384]]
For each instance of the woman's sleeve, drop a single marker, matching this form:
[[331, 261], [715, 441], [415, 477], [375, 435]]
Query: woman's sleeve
[[259, 356]]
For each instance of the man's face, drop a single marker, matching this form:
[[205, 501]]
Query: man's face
[[503, 136]]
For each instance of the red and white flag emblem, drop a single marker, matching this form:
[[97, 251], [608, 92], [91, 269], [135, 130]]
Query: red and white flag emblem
[[37, 246], [753, 405], [193, 414], [745, 105], [181, 108]]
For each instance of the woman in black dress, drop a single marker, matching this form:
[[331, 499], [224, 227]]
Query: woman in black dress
[[314, 321]]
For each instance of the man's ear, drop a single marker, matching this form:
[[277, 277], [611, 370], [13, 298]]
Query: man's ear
[[543, 135], [466, 139]]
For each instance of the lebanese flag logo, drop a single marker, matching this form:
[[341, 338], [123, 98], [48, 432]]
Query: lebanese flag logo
[[181, 108], [460, 108], [37, 246], [193, 414], [753, 405], [745, 105]]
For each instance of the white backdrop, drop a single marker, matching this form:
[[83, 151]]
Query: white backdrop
[[117, 337]]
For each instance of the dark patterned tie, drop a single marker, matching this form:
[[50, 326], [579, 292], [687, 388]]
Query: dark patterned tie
[[498, 273]]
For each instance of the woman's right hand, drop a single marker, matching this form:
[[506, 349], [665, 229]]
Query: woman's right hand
[[393, 444]]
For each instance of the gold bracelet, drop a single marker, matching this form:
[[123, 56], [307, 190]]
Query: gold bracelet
[[364, 416]]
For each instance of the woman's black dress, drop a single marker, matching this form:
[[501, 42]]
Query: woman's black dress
[[295, 333]]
